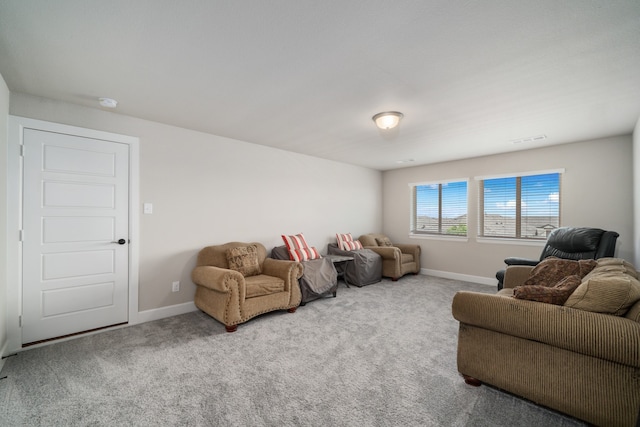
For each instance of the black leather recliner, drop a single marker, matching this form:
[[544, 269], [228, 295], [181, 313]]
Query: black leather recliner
[[570, 243]]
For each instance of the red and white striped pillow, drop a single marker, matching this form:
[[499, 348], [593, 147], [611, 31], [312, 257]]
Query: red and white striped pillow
[[346, 242], [298, 248]]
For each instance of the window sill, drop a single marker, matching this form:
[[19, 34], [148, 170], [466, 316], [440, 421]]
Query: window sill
[[450, 238], [487, 240], [505, 241]]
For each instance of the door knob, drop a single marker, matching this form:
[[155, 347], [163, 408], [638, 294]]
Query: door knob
[[120, 242]]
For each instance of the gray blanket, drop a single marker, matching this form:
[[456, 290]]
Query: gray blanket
[[365, 269], [319, 278]]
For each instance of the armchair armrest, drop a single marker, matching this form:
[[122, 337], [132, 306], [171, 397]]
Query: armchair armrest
[[386, 252], [521, 261], [216, 278], [289, 271], [409, 249], [594, 334]]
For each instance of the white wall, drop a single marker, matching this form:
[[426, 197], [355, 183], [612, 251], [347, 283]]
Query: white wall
[[4, 111], [596, 191], [636, 193], [208, 190]]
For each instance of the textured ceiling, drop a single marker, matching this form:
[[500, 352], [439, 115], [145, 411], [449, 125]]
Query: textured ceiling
[[306, 76]]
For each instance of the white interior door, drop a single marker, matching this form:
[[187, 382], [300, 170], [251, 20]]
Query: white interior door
[[75, 234]]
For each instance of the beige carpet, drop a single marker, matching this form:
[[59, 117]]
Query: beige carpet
[[381, 355]]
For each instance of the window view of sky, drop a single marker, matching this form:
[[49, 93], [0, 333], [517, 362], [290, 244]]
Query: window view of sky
[[454, 200], [540, 195]]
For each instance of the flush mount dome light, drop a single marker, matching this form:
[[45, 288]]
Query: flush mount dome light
[[108, 102], [387, 120]]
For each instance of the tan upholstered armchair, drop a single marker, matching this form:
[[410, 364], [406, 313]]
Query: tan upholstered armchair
[[397, 259], [236, 282]]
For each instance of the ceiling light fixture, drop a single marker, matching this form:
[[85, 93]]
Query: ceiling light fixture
[[108, 102], [387, 120]]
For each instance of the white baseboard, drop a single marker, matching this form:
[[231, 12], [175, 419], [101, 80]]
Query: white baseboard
[[3, 352], [142, 317], [490, 281], [161, 313]]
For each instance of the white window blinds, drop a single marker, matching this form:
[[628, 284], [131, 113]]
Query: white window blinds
[[440, 208], [524, 206]]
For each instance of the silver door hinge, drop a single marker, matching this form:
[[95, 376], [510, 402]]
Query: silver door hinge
[[22, 150], [20, 321], [20, 235]]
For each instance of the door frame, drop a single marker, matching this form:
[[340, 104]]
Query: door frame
[[16, 127]]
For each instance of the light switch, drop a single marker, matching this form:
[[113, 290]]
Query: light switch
[[147, 208]]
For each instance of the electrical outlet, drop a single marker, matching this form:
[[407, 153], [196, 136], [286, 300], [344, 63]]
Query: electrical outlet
[[175, 286]]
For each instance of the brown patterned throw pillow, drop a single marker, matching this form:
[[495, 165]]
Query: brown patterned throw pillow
[[557, 294], [244, 259], [552, 270], [383, 241]]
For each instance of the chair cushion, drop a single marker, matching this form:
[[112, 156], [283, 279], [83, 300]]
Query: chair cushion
[[298, 248], [244, 259], [346, 242], [383, 241], [262, 284]]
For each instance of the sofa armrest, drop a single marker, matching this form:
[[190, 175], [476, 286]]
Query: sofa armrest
[[516, 275], [603, 336], [386, 252], [216, 278]]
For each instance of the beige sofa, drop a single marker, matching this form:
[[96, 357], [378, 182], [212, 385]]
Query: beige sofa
[[581, 358], [397, 259], [252, 285]]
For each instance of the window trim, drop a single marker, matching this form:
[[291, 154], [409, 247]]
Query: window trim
[[413, 210], [518, 176]]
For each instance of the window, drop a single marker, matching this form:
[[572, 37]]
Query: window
[[440, 208], [525, 206]]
